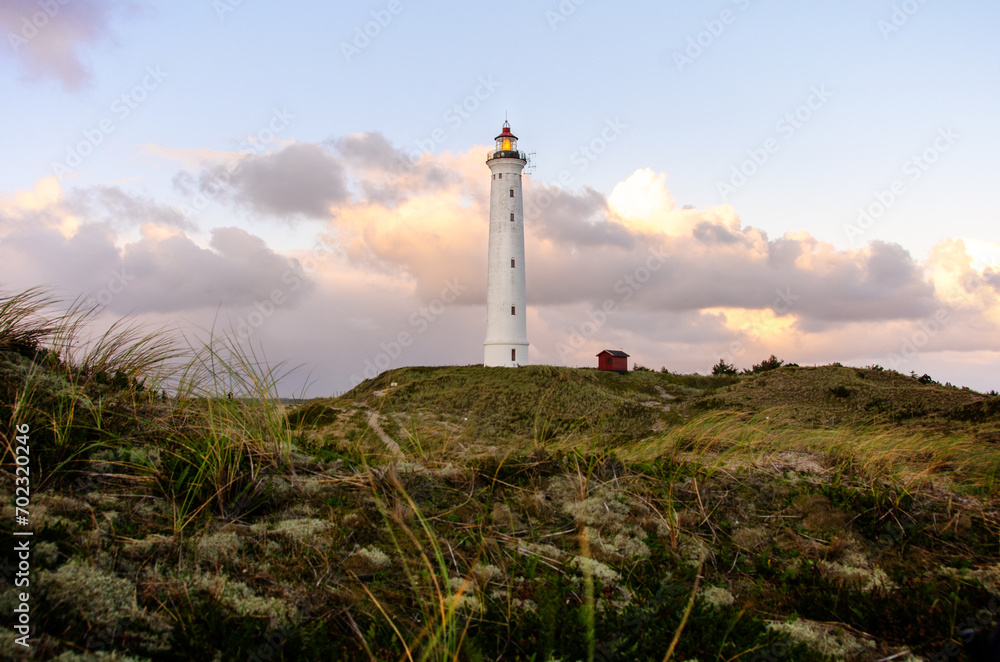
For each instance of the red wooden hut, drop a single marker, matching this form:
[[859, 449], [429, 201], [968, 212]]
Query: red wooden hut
[[611, 359]]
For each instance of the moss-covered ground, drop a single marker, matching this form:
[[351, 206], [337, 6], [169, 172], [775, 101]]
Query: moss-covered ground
[[542, 513]]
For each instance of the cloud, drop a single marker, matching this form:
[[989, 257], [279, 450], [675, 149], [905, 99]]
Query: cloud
[[306, 180], [371, 151], [174, 274], [301, 179], [674, 287], [643, 200], [112, 205], [158, 273], [581, 246], [190, 158], [42, 255], [712, 233], [49, 39], [42, 207], [388, 176], [161, 271], [574, 219]]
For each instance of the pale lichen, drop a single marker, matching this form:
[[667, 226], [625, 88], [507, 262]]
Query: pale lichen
[[987, 576], [99, 597], [864, 579], [717, 597], [462, 594], [374, 557], [241, 599], [628, 544], [300, 530], [695, 550], [598, 511], [505, 517], [524, 605], [219, 547], [486, 572], [595, 569], [824, 638], [614, 593], [102, 656], [542, 550], [604, 518]]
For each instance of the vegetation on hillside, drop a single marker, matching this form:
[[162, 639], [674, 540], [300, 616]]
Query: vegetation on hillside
[[180, 512]]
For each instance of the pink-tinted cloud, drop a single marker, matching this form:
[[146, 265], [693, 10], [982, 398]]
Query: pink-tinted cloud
[[163, 270], [50, 39], [401, 254]]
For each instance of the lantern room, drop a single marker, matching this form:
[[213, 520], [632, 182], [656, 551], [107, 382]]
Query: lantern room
[[506, 141]]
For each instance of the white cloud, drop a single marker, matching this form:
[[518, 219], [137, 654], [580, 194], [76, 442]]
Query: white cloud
[[685, 286]]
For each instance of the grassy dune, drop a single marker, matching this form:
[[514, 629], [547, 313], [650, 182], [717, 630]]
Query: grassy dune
[[539, 514]]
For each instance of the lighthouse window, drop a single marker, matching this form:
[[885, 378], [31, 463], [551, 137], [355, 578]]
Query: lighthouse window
[[512, 310], [512, 217], [500, 176], [512, 193], [511, 263], [513, 355]]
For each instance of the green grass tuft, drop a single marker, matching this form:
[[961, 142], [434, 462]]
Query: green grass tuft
[[181, 511]]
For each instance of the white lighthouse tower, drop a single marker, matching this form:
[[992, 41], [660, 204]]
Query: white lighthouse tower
[[506, 303]]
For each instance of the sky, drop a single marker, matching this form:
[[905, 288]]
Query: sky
[[715, 180]]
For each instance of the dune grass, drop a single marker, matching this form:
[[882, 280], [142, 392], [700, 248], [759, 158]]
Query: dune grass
[[539, 514], [82, 392], [908, 456]]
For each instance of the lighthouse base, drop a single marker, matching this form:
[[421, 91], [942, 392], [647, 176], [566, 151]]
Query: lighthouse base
[[505, 355]]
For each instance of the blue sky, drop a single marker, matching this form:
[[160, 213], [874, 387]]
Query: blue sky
[[833, 100]]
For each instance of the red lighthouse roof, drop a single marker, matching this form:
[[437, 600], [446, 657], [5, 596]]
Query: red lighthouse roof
[[506, 133]]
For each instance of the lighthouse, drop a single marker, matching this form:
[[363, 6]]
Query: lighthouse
[[506, 303]]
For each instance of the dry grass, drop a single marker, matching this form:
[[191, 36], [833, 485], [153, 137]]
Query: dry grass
[[536, 514], [904, 455]]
